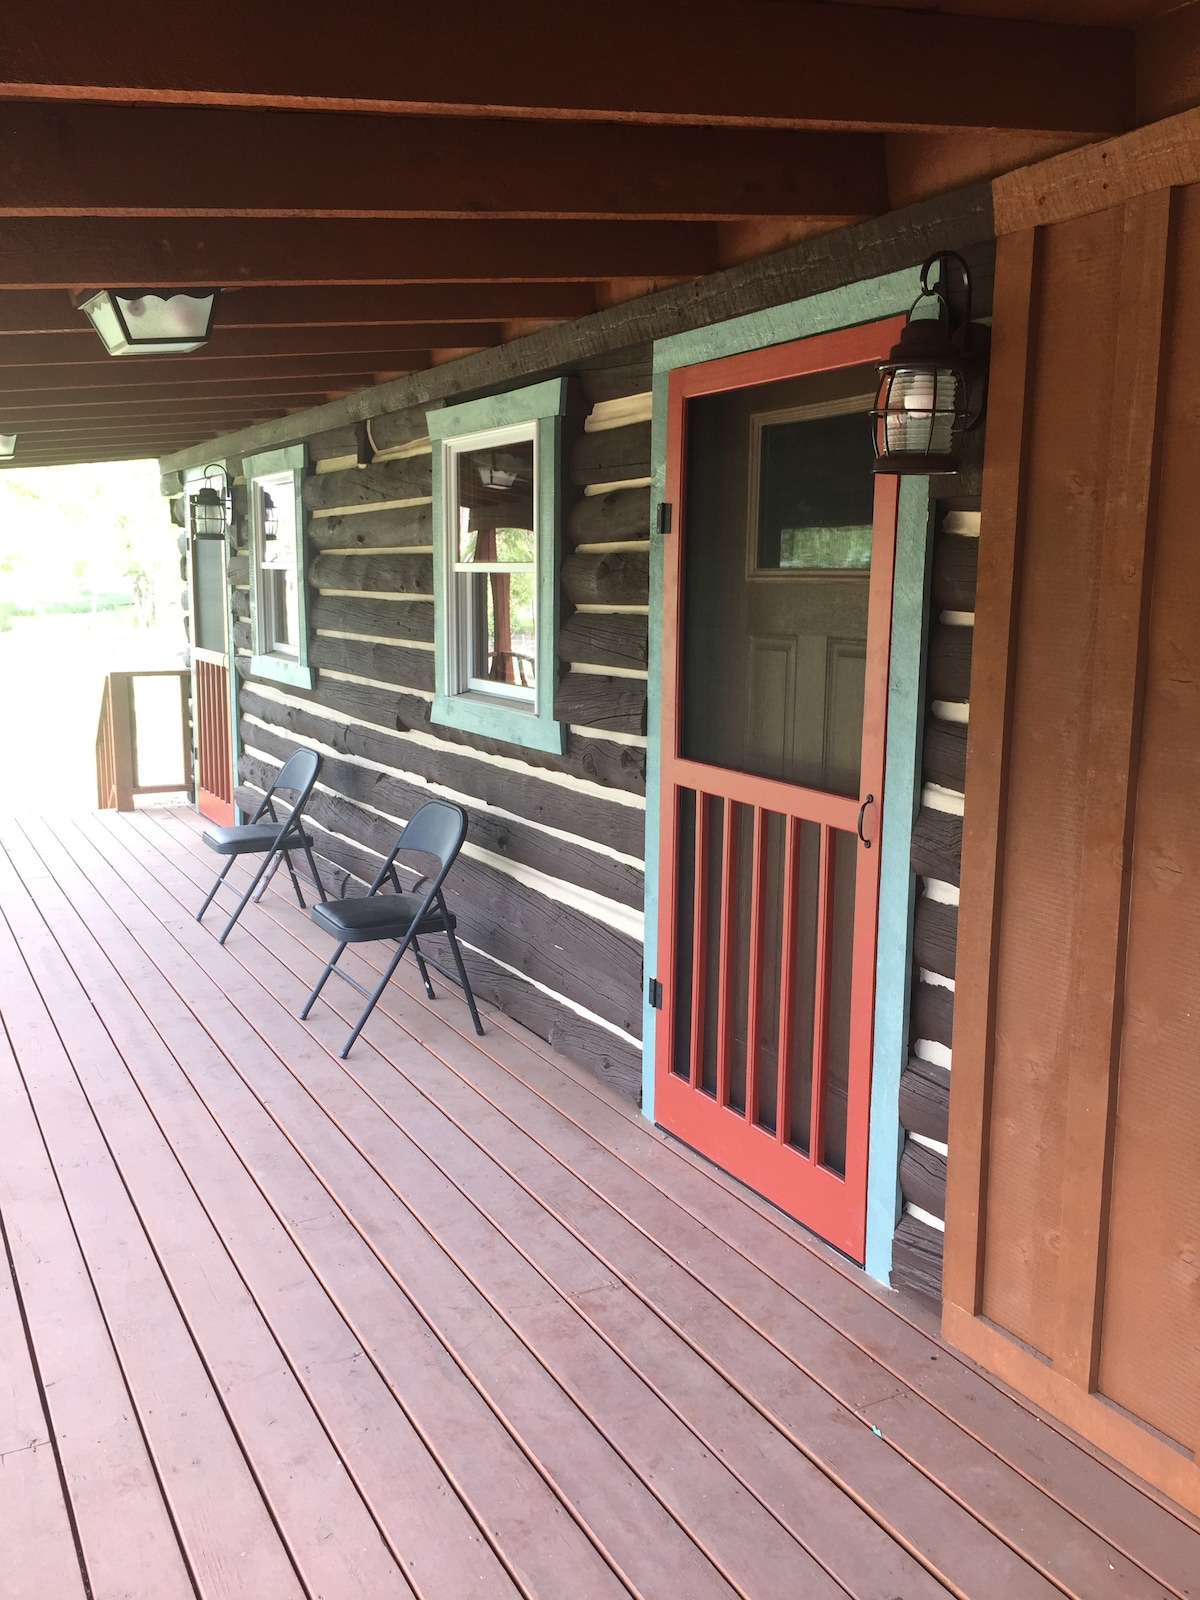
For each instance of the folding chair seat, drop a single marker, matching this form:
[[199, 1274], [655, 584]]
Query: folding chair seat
[[273, 840], [435, 829]]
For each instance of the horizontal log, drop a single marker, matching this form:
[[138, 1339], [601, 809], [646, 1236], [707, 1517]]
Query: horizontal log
[[386, 663], [243, 638], [613, 639], [613, 1060], [615, 578], [361, 486], [503, 836], [373, 574], [944, 754], [935, 936], [948, 676], [592, 701], [397, 428], [549, 942], [955, 570], [917, 1259], [923, 1178], [237, 571], [523, 794], [612, 455], [936, 850], [369, 530], [334, 443], [925, 1100], [382, 619], [610, 518], [616, 381], [932, 1013]]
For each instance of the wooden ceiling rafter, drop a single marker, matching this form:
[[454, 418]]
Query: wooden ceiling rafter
[[741, 62]]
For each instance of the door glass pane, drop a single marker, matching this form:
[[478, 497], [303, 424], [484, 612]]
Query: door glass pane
[[779, 496], [685, 923], [209, 600], [714, 855], [837, 1059]]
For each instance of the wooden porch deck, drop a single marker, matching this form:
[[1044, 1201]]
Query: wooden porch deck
[[446, 1319]]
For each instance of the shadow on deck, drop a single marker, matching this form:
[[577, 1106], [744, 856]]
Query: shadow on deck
[[447, 1319]]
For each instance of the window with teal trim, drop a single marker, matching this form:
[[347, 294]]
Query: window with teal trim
[[278, 579], [497, 500]]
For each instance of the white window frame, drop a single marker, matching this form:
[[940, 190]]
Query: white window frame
[[509, 712], [266, 661]]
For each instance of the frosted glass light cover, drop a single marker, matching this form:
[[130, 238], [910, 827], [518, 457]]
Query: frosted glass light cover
[[150, 324], [922, 410], [8, 446]]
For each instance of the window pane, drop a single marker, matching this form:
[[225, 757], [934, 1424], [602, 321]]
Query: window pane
[[815, 493], [495, 504], [501, 628], [280, 598]]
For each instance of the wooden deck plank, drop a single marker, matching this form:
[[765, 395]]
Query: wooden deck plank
[[1130, 1516], [406, 1492], [540, 1542], [114, 1492], [328, 1531], [918, 1512], [655, 1553], [231, 1543], [35, 1530], [956, 1461], [1066, 1547]]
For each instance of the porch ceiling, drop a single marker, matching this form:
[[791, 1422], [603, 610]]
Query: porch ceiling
[[379, 191]]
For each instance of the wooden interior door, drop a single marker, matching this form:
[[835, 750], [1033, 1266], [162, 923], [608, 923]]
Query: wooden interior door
[[777, 610], [211, 712]]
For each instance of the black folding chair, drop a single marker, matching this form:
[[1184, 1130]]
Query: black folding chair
[[273, 840], [435, 829]]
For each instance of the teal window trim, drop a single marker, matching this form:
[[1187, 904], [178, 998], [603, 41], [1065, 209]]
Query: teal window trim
[[276, 668], [540, 407], [844, 307]]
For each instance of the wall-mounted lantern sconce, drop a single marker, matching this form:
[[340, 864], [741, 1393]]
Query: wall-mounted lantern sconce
[[210, 506], [141, 322], [270, 517], [931, 385], [8, 446]]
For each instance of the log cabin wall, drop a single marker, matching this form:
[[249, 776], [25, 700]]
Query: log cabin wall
[[548, 891], [1073, 1218], [936, 856]]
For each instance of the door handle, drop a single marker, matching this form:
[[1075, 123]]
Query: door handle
[[862, 811]]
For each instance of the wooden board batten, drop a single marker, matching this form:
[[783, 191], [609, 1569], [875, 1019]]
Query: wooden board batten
[[1119, 643], [1013, 330]]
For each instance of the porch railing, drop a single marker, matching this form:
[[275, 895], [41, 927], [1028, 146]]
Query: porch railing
[[118, 769]]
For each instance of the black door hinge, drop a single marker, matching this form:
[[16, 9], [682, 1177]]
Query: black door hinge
[[654, 993], [664, 516]]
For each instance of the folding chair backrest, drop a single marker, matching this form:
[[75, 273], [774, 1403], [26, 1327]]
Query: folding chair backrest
[[298, 773], [438, 829]]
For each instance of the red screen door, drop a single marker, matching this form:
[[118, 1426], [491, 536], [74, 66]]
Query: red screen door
[[210, 680], [776, 632]]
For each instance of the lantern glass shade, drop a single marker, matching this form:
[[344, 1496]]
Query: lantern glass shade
[[8, 446], [920, 416], [208, 513], [139, 322]]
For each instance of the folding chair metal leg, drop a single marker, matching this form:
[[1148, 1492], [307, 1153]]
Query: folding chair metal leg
[[375, 997], [329, 966], [212, 892], [295, 880], [425, 978], [266, 883], [312, 867], [245, 900], [463, 979]]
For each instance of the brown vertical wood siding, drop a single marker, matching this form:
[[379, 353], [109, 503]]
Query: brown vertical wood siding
[[1073, 1222]]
